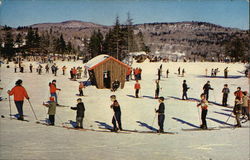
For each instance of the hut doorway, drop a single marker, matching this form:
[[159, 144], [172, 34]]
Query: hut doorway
[[106, 79]]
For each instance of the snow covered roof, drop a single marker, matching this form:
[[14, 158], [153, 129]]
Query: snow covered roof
[[94, 61], [91, 64]]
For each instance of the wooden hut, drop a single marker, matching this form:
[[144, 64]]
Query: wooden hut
[[104, 70]]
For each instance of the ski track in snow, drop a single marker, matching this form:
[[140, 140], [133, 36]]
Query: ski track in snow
[[21, 140]]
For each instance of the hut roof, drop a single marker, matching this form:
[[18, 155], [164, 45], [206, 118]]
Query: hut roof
[[96, 61]]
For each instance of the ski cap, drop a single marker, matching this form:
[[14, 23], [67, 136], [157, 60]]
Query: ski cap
[[161, 98], [51, 98], [19, 82], [54, 80]]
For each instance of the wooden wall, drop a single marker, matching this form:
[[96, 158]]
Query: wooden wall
[[117, 71]]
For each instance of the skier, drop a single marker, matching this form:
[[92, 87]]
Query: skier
[[159, 74], [128, 74], [161, 115], [80, 109], [55, 70], [204, 105], [167, 72], [51, 110], [117, 114], [19, 93], [183, 72], [225, 92], [226, 72], [53, 90], [157, 90], [179, 71], [184, 89], [31, 66], [85, 72], [245, 109], [206, 72], [64, 69], [47, 68], [15, 67], [206, 89], [246, 72], [212, 72], [81, 86], [237, 111], [238, 94], [137, 87]]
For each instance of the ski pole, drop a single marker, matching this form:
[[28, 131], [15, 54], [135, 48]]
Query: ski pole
[[228, 118], [214, 97], [10, 106], [154, 119], [199, 115], [32, 109]]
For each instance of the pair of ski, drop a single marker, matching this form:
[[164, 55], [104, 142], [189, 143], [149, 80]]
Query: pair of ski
[[214, 128]]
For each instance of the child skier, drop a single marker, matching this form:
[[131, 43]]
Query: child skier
[[117, 114], [206, 89], [53, 90], [137, 87], [81, 86], [185, 89], [245, 109], [204, 106], [161, 115], [19, 93], [51, 110], [225, 92], [157, 90], [80, 109], [237, 111]]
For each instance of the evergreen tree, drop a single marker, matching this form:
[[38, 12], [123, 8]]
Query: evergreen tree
[[19, 40], [30, 38], [8, 49], [95, 46]]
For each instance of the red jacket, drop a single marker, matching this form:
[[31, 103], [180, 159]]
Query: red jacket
[[238, 94], [19, 93], [53, 88], [137, 86]]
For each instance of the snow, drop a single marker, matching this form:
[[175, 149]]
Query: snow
[[137, 53], [28, 140], [94, 61]]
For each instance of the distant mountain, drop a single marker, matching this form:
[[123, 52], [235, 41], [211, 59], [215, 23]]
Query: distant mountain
[[189, 38], [67, 24]]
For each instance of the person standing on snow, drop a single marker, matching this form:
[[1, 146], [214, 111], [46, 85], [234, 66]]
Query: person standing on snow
[[137, 87], [161, 115], [206, 89], [81, 86], [80, 109], [204, 107], [157, 90], [184, 89], [225, 92], [19, 93], [179, 70], [51, 110], [117, 114], [53, 90], [167, 72], [226, 72]]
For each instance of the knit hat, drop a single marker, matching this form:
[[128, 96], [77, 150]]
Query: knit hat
[[19, 82], [51, 98]]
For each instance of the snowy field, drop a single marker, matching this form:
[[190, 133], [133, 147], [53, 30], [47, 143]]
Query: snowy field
[[28, 140]]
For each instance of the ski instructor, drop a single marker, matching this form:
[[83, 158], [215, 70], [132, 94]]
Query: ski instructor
[[19, 93]]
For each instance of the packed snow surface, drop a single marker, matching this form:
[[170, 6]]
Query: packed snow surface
[[28, 140]]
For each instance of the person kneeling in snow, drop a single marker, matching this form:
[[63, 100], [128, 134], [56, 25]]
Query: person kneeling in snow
[[80, 109], [51, 110]]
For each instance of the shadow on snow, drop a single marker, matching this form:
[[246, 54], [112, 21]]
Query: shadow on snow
[[185, 122], [142, 124]]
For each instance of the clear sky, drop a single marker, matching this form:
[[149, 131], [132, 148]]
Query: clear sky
[[228, 13]]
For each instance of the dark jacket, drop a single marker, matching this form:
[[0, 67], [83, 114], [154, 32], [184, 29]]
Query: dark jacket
[[116, 107], [161, 108], [185, 87], [207, 87], [79, 109], [225, 90]]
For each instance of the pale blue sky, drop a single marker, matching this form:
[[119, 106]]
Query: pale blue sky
[[228, 13]]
